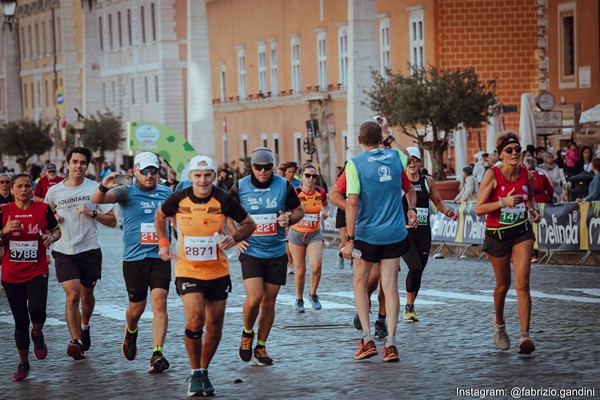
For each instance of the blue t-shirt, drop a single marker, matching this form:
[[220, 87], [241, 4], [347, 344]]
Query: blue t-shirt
[[263, 205], [376, 177], [138, 207]]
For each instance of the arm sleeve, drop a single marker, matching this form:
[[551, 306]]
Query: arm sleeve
[[231, 207], [352, 182], [51, 222], [291, 201], [171, 204], [121, 193]]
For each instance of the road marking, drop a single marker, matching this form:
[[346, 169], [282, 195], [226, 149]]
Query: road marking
[[350, 295], [591, 292], [8, 319], [554, 296]]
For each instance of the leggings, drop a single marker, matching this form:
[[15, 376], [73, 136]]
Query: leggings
[[416, 257], [27, 299]]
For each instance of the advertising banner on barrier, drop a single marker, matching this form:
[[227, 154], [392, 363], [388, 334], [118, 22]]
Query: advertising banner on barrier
[[559, 228], [592, 219]]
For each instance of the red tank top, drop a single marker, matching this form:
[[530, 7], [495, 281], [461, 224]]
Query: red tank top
[[24, 251], [507, 216]]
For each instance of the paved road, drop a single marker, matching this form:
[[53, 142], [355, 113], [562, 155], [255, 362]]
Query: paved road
[[451, 347]]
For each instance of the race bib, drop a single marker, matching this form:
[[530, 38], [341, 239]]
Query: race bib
[[512, 215], [422, 214], [309, 221], [200, 248], [24, 251], [266, 224], [148, 234]]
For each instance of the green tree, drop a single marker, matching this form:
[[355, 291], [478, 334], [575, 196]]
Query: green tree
[[24, 139], [103, 132], [434, 99]]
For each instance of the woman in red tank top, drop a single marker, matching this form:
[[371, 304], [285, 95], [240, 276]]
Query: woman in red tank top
[[506, 197]]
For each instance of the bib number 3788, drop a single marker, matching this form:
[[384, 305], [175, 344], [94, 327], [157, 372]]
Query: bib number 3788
[[24, 251]]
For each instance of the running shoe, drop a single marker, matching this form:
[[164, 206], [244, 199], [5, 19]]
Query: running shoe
[[129, 348], [158, 363], [390, 354], [526, 345], [196, 386], [75, 350], [209, 389], [291, 269], [22, 372], [299, 305], [365, 350], [534, 259], [409, 313], [357, 323], [340, 262], [314, 300], [85, 339], [501, 336], [261, 357], [40, 350], [381, 331], [246, 346]]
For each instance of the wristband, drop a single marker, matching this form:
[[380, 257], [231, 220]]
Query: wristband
[[103, 188], [447, 211], [388, 141], [163, 242], [500, 201]]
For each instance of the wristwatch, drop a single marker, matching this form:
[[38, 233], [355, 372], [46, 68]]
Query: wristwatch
[[94, 214], [348, 237]]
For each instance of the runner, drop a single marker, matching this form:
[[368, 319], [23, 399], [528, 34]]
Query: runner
[[291, 168], [46, 182], [374, 185], [201, 267], [305, 237], [274, 205], [506, 197], [142, 266], [77, 255], [27, 229], [420, 238]]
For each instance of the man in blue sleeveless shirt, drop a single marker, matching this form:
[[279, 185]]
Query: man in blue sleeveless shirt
[[142, 266], [377, 227], [273, 204]]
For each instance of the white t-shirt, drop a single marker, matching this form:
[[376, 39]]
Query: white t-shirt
[[79, 232]]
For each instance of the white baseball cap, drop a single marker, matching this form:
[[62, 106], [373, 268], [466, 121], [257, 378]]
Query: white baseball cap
[[202, 163], [414, 152], [146, 159]]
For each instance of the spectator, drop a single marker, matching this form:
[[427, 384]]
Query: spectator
[[225, 179], [571, 158], [105, 171], [542, 188], [585, 161], [172, 180], [552, 172], [46, 182], [539, 154], [594, 189], [560, 159], [281, 170], [469, 186]]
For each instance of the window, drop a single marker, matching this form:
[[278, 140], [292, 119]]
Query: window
[[25, 95], [129, 35], [143, 22], [225, 147], [110, 31], [146, 94], [132, 91], [37, 39], [45, 93], [104, 94], [295, 46], [222, 82], [264, 140], [244, 145], [153, 16], [276, 148], [52, 44], [274, 74], [298, 147], [343, 56], [58, 35], [114, 93], [119, 29], [322, 59], [22, 41], [417, 41], [567, 54], [345, 145], [384, 44], [30, 41], [156, 92], [32, 96], [262, 68], [241, 56], [100, 33], [44, 42]]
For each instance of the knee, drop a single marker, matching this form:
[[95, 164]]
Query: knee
[[522, 285], [268, 303], [73, 297], [502, 287], [194, 324], [254, 301], [38, 316]]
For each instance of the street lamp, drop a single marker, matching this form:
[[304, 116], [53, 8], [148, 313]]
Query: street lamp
[[9, 9]]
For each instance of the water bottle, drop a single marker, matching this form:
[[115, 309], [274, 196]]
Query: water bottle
[[229, 253], [355, 253]]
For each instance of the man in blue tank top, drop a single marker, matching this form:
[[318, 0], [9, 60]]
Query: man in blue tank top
[[142, 266], [273, 204], [377, 227]]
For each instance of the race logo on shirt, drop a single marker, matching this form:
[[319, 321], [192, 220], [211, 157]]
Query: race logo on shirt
[[384, 174]]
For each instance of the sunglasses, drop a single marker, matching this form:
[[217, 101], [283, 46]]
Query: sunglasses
[[4, 182], [509, 150], [149, 170], [308, 176], [263, 167]]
